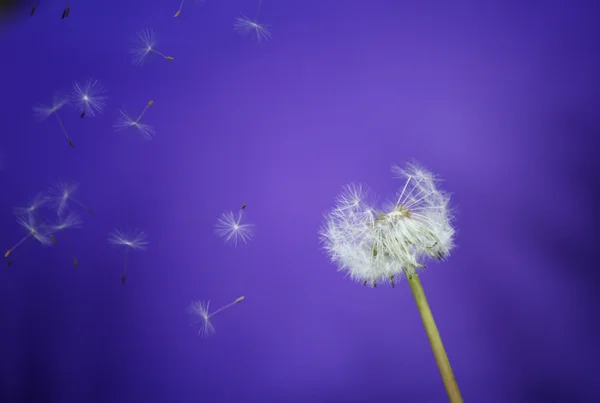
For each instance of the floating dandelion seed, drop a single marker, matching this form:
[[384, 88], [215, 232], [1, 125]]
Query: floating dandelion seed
[[200, 311], [42, 112], [181, 6], [34, 229], [375, 246], [244, 25], [34, 205], [136, 241], [125, 122], [71, 220], [66, 11], [144, 44], [230, 226], [88, 97], [60, 194]]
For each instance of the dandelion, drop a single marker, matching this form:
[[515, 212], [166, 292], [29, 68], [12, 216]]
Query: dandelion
[[42, 112], [34, 230], [136, 240], [200, 311], [181, 6], [244, 25], [34, 205], [70, 220], [125, 122], [144, 44], [382, 245], [60, 194], [88, 97], [232, 228]]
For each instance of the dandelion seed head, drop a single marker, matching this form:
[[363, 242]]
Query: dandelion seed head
[[377, 245]]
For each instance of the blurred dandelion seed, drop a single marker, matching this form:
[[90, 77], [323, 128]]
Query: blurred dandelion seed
[[66, 11], [60, 194], [200, 311], [38, 201], [245, 25], [33, 8], [42, 112], [231, 228], [144, 44], [34, 230], [71, 220], [136, 240], [125, 122], [380, 245], [88, 97]]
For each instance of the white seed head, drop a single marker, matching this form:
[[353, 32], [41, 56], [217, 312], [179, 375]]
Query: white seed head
[[376, 246]]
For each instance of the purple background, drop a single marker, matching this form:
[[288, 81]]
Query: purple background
[[502, 99]]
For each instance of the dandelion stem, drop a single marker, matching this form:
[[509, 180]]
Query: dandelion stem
[[62, 126], [258, 11], [162, 54], [149, 104], [86, 208], [75, 260], [11, 250], [240, 299], [435, 340], [124, 276]]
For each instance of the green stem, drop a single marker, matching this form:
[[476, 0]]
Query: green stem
[[433, 334]]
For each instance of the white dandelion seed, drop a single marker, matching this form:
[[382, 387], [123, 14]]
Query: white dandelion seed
[[60, 194], [38, 201], [135, 240], [34, 230], [232, 229], [124, 121], [145, 43], [200, 311], [88, 97], [42, 112], [245, 25]]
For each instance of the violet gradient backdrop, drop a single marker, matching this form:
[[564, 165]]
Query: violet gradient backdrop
[[502, 99]]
